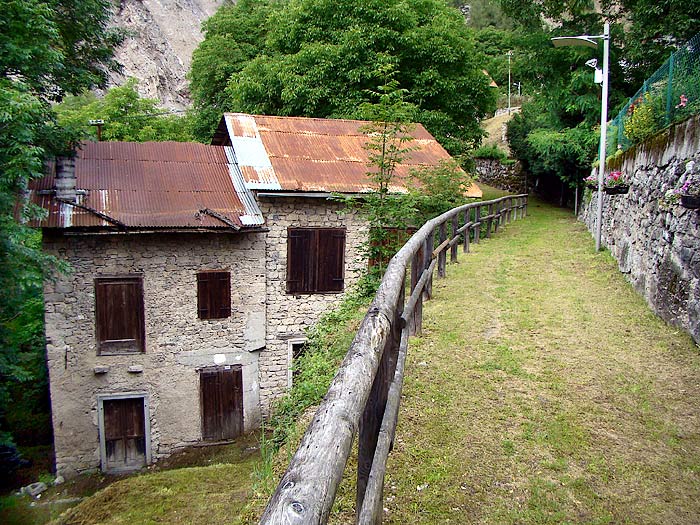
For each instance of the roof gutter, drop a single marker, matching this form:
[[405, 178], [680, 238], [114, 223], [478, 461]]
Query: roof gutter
[[147, 231], [305, 195]]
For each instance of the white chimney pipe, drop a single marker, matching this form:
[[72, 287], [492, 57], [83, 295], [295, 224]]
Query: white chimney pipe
[[65, 180]]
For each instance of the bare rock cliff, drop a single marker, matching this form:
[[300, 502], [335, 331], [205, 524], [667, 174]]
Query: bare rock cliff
[[158, 48]]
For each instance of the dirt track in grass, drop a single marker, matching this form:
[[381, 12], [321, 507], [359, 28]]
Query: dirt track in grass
[[543, 390]]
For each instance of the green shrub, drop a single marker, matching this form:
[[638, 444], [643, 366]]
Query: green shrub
[[491, 151], [646, 118]]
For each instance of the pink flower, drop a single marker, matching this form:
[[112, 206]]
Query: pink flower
[[683, 103]]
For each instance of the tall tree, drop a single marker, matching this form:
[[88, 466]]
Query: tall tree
[[556, 135], [127, 116], [321, 58], [47, 48]]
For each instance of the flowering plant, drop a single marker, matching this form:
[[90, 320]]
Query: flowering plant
[[615, 178], [689, 184], [689, 187], [591, 180]]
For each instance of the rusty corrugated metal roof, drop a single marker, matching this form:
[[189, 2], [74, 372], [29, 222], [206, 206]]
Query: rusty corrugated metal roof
[[316, 155], [150, 185]]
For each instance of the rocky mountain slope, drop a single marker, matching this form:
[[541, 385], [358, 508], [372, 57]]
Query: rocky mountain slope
[[158, 48]]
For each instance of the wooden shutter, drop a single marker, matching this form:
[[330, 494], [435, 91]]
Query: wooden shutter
[[214, 295], [300, 257], [119, 315], [330, 260]]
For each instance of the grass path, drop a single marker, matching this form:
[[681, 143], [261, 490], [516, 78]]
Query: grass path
[[543, 390]]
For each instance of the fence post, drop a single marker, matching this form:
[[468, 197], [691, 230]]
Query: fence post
[[417, 266], [455, 227], [477, 220], [493, 221], [427, 256], [371, 419], [442, 256], [669, 90], [468, 231]]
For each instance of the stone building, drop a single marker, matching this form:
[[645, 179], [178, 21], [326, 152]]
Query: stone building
[[194, 272]]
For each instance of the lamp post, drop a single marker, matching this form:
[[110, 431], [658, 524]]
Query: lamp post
[[509, 54], [518, 85], [591, 41]]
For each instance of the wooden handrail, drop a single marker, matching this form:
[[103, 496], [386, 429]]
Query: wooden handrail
[[364, 396]]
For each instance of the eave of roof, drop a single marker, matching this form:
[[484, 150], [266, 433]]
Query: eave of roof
[[150, 185]]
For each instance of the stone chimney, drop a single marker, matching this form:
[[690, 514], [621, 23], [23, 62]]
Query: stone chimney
[[65, 179]]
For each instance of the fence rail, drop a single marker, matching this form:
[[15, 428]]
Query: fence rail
[[670, 95], [365, 394]]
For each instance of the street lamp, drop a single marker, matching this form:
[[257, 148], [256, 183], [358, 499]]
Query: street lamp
[[591, 41], [509, 54]]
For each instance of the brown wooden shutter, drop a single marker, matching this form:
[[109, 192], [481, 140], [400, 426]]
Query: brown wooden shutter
[[330, 260], [214, 295], [223, 292], [119, 315], [300, 248], [203, 295]]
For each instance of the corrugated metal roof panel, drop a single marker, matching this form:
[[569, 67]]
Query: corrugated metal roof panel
[[328, 155], [144, 185]]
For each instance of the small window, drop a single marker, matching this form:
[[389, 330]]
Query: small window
[[214, 295], [119, 315], [297, 348], [315, 260]]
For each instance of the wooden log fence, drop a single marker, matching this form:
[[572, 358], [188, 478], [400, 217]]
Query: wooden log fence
[[364, 396]]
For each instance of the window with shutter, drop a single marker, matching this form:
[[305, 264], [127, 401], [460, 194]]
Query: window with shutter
[[315, 260], [119, 316], [214, 295]]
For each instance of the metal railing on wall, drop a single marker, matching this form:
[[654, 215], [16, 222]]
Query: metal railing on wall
[[365, 393], [670, 95]]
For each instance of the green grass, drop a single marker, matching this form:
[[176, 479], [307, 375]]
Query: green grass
[[490, 192], [544, 391], [217, 491]]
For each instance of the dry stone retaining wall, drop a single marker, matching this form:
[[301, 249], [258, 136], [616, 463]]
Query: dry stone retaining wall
[[509, 177], [658, 246]]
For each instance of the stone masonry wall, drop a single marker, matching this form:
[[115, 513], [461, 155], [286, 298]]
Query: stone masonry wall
[[177, 341], [288, 316], [505, 177], [657, 246]]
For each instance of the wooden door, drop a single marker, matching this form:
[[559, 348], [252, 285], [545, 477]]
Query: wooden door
[[221, 399], [125, 439]]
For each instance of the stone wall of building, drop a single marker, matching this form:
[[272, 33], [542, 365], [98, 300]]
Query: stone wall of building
[[178, 343], [289, 316], [507, 177], [657, 245]]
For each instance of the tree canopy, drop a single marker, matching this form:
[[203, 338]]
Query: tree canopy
[[556, 135], [320, 58], [127, 116], [47, 48]]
